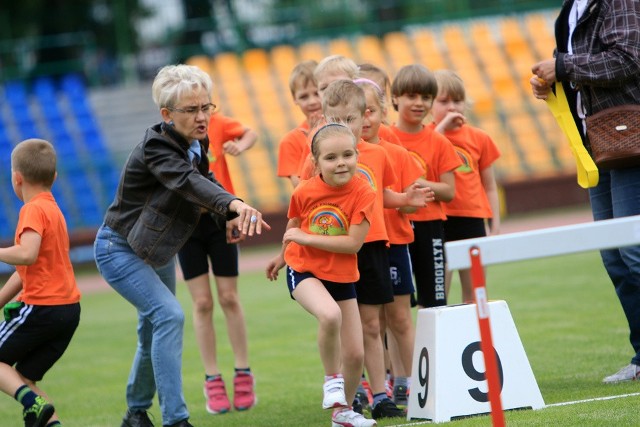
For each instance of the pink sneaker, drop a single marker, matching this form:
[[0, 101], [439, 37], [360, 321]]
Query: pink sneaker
[[216, 395], [243, 395]]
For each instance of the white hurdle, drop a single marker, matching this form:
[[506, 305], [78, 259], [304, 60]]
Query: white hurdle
[[445, 376], [546, 242]]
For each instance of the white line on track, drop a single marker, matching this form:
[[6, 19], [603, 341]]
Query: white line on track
[[619, 396]]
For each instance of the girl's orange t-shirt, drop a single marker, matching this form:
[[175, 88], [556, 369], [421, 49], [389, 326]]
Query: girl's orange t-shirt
[[222, 129], [477, 151], [330, 211]]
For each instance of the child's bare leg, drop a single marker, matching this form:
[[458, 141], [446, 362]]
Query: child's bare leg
[[234, 315], [373, 350], [200, 290], [400, 322], [313, 297], [352, 347]]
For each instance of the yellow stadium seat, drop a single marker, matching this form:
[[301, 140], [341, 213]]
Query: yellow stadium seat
[[369, 50], [399, 51], [341, 46], [311, 50], [428, 51]]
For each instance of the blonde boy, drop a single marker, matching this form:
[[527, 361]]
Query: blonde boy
[[293, 146], [40, 323]]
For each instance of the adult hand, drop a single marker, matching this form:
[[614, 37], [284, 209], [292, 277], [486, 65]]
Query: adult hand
[[546, 70], [540, 88], [250, 220], [233, 234]]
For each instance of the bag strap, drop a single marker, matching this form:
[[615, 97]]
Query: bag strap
[[587, 171]]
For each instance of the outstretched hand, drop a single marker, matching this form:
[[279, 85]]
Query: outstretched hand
[[250, 220], [418, 196]]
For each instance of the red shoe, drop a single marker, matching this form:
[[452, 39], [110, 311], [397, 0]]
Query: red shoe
[[367, 388], [243, 395], [216, 395]]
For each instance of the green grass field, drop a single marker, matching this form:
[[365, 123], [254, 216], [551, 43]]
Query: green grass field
[[566, 312]]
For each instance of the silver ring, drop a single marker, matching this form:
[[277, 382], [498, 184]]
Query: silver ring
[[253, 219]]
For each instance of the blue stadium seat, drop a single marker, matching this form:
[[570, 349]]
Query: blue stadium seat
[[73, 86]]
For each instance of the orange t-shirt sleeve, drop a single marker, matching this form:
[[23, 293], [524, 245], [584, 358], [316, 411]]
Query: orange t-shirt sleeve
[[290, 152]]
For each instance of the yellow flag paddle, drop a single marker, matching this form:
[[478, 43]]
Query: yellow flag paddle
[[587, 172]]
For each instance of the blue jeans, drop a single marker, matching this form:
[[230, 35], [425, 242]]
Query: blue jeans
[[618, 195], [158, 359]]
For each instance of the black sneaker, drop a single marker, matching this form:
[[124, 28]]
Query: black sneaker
[[357, 406], [136, 419], [386, 409], [183, 423], [38, 414], [361, 396]]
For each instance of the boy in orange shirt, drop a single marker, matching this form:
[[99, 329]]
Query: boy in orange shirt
[[293, 146], [476, 197], [345, 101], [412, 92], [329, 216], [39, 325], [397, 314]]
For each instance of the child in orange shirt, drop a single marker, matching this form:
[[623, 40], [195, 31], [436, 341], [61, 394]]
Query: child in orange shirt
[[397, 314], [293, 146], [208, 245], [329, 216], [39, 325], [476, 197], [380, 77], [329, 70], [344, 100], [412, 92]]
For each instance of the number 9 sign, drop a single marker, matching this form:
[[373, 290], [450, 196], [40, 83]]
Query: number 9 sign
[[448, 372]]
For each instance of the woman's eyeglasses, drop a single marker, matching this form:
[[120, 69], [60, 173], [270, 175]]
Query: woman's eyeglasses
[[206, 109]]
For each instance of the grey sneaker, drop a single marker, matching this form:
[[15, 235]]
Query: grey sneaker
[[630, 372], [400, 395]]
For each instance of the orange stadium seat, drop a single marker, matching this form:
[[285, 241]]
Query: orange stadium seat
[[341, 46], [541, 33], [312, 50], [369, 49], [399, 51], [428, 50], [283, 60], [464, 62]]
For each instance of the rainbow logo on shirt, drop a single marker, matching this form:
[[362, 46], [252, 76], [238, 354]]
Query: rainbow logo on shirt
[[367, 174], [467, 165], [328, 220], [420, 161]]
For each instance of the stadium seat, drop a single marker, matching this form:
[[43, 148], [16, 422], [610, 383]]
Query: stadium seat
[[369, 49], [428, 50], [399, 51], [312, 50], [341, 46]]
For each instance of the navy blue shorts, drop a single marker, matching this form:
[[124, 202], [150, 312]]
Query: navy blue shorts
[[36, 336], [400, 269], [339, 291], [374, 286], [208, 243], [461, 227]]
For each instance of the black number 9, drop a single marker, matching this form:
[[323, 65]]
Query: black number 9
[[470, 370], [423, 376]]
